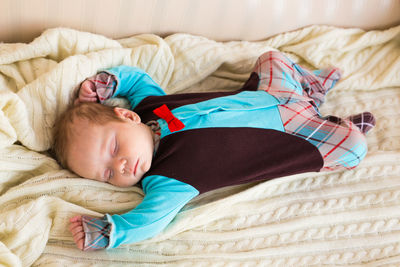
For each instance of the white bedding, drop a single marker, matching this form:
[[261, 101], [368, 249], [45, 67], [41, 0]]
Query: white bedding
[[339, 218]]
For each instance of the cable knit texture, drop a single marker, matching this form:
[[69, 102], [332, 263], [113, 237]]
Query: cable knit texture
[[313, 219]]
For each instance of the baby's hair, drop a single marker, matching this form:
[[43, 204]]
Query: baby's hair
[[95, 113]]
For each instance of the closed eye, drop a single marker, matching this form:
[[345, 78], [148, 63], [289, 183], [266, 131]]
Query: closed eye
[[115, 149], [108, 174]]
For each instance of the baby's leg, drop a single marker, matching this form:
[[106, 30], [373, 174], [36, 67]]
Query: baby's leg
[[287, 80], [319, 84], [340, 142]]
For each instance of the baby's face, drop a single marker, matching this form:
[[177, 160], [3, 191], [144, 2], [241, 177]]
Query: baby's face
[[119, 153]]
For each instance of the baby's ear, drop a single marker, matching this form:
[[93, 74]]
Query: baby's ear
[[127, 114]]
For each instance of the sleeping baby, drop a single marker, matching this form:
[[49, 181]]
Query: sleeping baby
[[178, 146]]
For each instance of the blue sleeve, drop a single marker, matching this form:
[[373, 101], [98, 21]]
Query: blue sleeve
[[134, 84], [164, 198]]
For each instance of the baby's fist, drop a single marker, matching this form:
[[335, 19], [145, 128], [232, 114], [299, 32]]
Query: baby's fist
[[87, 92], [77, 231], [90, 233]]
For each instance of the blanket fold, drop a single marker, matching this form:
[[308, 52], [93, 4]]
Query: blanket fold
[[339, 218]]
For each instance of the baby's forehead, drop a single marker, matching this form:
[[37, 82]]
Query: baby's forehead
[[80, 127], [84, 136], [80, 123]]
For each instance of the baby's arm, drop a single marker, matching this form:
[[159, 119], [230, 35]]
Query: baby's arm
[[123, 81], [134, 84], [164, 198]]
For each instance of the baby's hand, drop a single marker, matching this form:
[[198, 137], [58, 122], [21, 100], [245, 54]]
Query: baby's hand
[[87, 92], [76, 228]]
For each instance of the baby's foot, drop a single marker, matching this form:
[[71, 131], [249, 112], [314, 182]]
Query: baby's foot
[[365, 121]]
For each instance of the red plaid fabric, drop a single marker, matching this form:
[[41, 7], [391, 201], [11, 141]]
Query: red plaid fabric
[[289, 82], [105, 85], [300, 92], [97, 232], [339, 144]]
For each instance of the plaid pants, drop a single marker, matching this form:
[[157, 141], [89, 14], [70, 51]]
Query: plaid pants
[[300, 93]]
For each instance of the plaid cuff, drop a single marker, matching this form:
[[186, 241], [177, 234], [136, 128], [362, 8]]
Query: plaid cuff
[[97, 232], [105, 84]]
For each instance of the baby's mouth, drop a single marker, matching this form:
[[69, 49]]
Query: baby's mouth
[[135, 169]]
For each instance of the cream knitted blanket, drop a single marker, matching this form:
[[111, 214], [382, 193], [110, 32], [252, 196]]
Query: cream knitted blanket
[[313, 219]]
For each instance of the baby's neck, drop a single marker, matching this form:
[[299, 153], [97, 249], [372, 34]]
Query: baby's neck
[[156, 133]]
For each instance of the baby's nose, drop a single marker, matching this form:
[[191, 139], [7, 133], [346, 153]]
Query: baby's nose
[[121, 165]]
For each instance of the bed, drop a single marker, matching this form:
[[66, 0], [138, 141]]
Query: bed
[[341, 218]]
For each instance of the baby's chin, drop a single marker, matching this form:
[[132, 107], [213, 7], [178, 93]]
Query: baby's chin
[[126, 185], [129, 183]]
